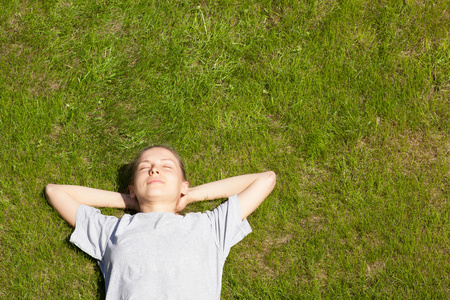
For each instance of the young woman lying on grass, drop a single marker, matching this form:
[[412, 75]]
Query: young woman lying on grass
[[156, 253]]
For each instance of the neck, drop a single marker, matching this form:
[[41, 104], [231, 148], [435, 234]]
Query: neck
[[156, 207]]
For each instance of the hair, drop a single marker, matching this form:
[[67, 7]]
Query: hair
[[135, 163]]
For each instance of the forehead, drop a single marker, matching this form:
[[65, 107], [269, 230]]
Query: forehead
[[157, 153]]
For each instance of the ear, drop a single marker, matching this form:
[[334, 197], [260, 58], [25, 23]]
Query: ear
[[132, 194], [185, 188]]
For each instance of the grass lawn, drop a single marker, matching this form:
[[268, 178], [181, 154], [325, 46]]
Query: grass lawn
[[347, 101]]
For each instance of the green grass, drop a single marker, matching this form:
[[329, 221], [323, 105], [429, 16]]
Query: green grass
[[347, 101]]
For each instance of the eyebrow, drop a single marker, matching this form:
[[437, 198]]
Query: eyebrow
[[163, 159]]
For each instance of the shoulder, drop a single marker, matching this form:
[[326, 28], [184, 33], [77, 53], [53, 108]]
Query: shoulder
[[229, 214], [91, 217], [230, 206]]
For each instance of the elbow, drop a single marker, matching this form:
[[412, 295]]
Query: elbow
[[49, 187], [49, 190], [272, 178]]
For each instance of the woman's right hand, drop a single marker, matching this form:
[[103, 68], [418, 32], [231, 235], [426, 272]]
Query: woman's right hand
[[131, 203]]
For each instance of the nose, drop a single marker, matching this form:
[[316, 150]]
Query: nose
[[154, 170]]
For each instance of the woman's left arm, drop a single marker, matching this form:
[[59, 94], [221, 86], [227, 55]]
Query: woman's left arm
[[251, 189]]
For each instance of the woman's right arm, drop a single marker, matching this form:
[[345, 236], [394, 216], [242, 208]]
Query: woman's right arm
[[67, 198]]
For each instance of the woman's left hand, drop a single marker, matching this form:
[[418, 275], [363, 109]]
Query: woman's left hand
[[182, 203]]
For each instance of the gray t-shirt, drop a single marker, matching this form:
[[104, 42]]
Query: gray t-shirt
[[161, 255]]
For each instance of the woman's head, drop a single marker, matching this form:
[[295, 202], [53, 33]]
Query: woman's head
[[158, 176], [136, 161]]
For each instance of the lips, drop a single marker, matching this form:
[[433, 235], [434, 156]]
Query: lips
[[155, 181]]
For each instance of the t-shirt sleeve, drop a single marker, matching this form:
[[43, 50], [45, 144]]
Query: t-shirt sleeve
[[92, 231], [227, 224]]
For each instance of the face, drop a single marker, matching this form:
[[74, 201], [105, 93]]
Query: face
[[158, 177]]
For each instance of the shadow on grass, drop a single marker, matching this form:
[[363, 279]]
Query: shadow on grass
[[123, 179], [101, 293]]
